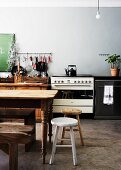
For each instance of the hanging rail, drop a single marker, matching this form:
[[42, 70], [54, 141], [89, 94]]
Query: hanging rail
[[33, 53]]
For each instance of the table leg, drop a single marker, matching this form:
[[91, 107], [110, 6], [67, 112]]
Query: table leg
[[44, 118], [50, 116], [30, 120], [13, 156]]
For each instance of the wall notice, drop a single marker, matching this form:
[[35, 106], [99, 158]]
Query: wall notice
[[6, 44]]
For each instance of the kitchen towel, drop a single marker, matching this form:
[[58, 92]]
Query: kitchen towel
[[108, 95]]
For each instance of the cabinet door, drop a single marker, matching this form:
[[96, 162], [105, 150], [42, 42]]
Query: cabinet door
[[105, 110], [117, 99], [101, 109]]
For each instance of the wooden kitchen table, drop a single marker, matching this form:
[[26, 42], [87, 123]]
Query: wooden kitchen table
[[38, 99], [26, 86]]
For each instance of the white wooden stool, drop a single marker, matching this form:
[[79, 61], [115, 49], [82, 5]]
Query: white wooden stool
[[64, 122]]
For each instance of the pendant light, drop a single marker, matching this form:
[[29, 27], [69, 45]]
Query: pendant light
[[98, 12]]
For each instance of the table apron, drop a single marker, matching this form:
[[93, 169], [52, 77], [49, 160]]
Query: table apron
[[20, 103]]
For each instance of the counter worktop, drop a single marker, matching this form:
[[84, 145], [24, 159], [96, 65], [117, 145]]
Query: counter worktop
[[107, 77], [24, 84]]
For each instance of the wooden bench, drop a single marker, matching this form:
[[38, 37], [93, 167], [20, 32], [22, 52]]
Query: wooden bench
[[10, 136], [26, 115]]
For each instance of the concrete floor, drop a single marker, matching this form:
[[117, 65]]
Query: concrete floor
[[102, 150]]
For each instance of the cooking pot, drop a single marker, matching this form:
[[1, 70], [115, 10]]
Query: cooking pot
[[15, 70]]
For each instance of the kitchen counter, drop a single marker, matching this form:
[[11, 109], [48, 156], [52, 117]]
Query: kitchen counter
[[24, 84], [107, 77]]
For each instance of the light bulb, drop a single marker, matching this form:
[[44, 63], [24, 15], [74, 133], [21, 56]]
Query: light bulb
[[98, 15]]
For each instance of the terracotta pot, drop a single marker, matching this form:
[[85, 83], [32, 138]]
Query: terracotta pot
[[115, 71]]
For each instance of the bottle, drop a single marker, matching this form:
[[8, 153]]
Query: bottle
[[37, 64]]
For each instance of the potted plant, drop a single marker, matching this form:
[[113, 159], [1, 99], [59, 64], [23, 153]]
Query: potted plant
[[114, 61]]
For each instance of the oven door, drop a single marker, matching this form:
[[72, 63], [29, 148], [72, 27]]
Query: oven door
[[80, 99]]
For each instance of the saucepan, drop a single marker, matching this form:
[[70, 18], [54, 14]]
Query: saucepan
[[15, 70]]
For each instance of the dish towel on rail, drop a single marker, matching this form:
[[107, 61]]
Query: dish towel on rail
[[108, 95]]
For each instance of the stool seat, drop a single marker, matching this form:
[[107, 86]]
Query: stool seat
[[64, 121], [73, 111]]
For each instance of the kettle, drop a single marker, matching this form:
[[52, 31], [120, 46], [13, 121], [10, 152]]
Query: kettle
[[71, 70]]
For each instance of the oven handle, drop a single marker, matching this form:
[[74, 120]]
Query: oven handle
[[86, 85]]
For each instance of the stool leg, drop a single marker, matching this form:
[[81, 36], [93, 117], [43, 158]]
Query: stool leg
[[80, 132], [73, 146], [54, 145], [63, 134]]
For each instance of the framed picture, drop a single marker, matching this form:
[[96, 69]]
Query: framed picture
[[7, 42]]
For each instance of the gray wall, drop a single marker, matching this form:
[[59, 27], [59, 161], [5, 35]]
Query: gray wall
[[73, 35]]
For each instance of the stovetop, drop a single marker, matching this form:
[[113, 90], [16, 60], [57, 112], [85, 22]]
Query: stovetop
[[79, 79], [78, 75]]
